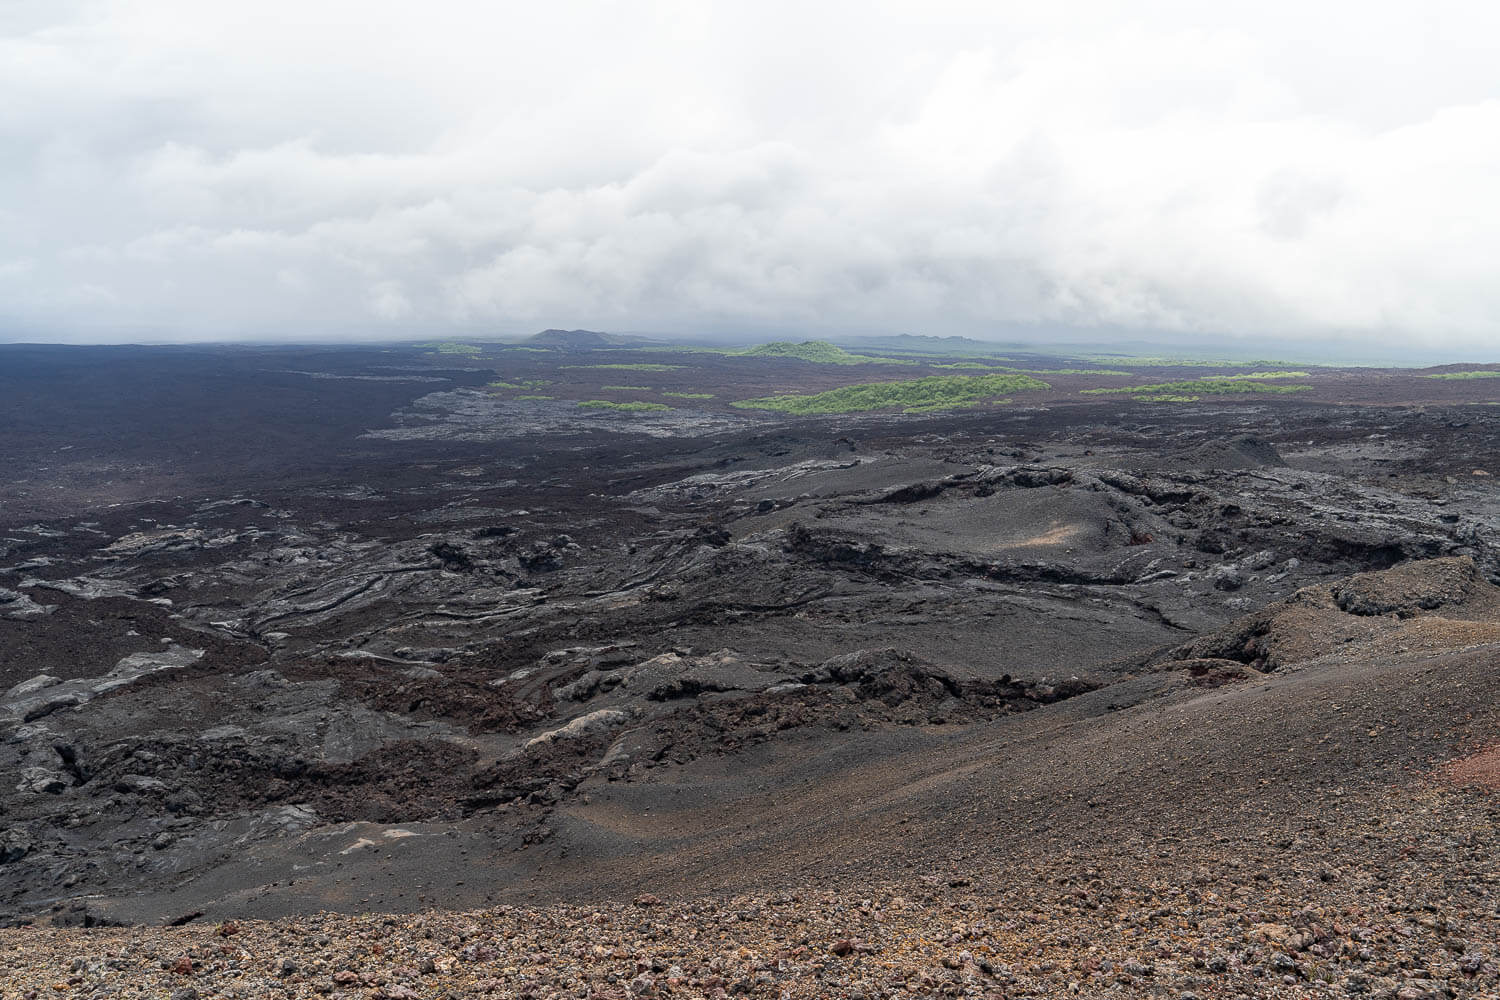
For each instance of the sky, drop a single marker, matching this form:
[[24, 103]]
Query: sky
[[1311, 171]]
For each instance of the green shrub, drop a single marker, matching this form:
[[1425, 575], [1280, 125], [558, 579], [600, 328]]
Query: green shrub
[[1213, 386], [934, 392], [1073, 371], [451, 347], [1263, 375], [634, 406]]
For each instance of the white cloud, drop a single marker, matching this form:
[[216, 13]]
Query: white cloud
[[323, 167], [389, 302]]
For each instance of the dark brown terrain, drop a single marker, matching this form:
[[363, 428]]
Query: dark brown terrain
[[1073, 693]]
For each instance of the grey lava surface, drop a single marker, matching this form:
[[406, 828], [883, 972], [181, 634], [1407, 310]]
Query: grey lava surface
[[289, 631]]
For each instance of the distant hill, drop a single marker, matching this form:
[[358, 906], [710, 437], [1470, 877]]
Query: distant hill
[[570, 340], [817, 351], [584, 340]]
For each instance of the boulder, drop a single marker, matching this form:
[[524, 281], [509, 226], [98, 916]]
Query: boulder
[[42, 781], [32, 686], [584, 725], [15, 844]]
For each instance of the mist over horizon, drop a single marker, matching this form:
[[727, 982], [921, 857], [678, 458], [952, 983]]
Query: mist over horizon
[[1271, 176], [1065, 343]]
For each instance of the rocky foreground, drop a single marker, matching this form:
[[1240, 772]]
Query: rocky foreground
[[1402, 902]]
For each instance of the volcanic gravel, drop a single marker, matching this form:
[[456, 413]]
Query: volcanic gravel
[[1400, 902]]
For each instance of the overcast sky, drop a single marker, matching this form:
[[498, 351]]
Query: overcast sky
[[308, 168]]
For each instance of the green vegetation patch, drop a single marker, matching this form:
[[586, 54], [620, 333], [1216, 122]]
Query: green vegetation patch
[[1212, 386], [627, 388], [1476, 373], [451, 347], [1166, 397], [819, 352], [503, 385], [629, 367], [935, 392], [689, 395], [535, 397], [1270, 375], [635, 406], [1032, 371], [1073, 371]]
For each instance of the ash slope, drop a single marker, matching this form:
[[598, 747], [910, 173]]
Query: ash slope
[[498, 667]]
